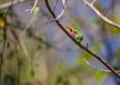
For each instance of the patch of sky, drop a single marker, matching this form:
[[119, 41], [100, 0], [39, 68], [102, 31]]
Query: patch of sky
[[106, 3], [114, 45]]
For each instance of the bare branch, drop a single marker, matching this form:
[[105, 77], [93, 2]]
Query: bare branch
[[32, 9], [95, 67], [93, 1], [35, 4], [55, 4], [8, 4], [63, 10], [61, 13], [30, 23], [79, 44], [101, 15], [2, 52]]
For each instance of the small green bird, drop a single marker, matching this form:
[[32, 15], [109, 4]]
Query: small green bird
[[76, 32]]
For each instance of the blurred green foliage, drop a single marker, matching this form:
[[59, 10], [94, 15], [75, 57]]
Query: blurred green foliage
[[32, 62]]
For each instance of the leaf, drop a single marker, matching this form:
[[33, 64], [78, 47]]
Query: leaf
[[80, 58], [99, 75], [43, 38], [36, 10]]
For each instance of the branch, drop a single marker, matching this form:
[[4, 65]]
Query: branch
[[17, 62], [2, 52], [93, 1], [30, 23], [80, 45], [34, 6], [61, 13], [97, 68], [8, 4], [92, 7], [63, 10], [55, 4]]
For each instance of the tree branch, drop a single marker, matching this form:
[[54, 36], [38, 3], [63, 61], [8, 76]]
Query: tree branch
[[2, 52], [63, 10], [8, 4], [80, 45], [32, 9], [91, 6], [55, 4], [97, 68]]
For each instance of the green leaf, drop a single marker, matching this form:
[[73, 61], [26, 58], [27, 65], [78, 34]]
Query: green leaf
[[99, 75], [80, 58], [36, 10], [43, 38]]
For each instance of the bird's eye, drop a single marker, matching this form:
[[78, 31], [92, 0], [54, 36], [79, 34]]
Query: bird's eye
[[71, 30]]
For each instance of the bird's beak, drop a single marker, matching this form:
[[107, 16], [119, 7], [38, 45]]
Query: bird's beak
[[68, 27]]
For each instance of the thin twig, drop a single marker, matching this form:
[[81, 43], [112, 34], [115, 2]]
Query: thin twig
[[61, 13], [63, 10], [21, 44], [33, 70], [25, 50], [30, 59], [55, 4], [79, 44], [91, 6], [1, 56], [8, 4], [32, 9], [93, 1], [37, 38], [95, 67], [28, 25], [18, 64], [35, 4], [4, 42]]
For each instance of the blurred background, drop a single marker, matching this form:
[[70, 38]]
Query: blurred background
[[35, 51]]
